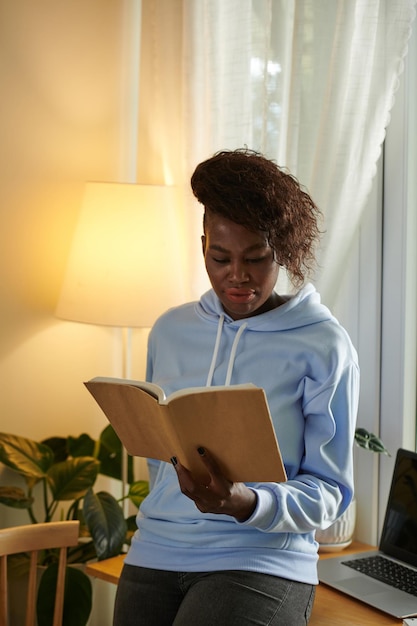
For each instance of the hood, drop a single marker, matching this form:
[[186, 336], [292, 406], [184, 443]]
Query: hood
[[302, 309]]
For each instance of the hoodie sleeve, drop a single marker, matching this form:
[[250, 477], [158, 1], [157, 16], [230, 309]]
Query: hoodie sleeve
[[323, 486]]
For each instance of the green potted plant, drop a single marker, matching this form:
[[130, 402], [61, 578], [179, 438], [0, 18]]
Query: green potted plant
[[59, 475], [340, 533], [369, 441]]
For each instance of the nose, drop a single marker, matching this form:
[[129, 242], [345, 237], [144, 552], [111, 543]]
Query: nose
[[238, 273]]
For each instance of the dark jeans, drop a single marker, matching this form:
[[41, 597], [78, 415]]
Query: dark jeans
[[151, 597]]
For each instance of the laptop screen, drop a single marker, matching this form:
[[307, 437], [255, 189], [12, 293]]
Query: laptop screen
[[399, 534]]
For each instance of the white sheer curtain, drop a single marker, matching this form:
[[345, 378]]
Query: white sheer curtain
[[310, 83]]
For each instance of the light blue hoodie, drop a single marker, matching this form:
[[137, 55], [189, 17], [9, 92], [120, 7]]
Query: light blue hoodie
[[308, 367]]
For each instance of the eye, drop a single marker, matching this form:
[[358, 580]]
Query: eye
[[220, 261], [256, 259]]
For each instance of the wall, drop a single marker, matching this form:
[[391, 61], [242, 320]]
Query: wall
[[60, 117]]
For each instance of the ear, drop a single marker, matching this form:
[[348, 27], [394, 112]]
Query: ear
[[203, 244]]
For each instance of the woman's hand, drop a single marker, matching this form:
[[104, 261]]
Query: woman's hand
[[219, 495]]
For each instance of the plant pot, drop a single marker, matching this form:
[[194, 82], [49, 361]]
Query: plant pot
[[340, 534]]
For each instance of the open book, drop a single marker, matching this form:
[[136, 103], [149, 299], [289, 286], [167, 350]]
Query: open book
[[233, 423]]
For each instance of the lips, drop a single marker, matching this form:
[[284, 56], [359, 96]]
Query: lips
[[235, 294]]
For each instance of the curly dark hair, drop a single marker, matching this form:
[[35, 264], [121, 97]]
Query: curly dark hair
[[253, 191]]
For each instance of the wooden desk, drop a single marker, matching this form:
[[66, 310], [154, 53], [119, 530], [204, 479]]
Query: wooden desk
[[334, 608], [108, 569], [331, 607]]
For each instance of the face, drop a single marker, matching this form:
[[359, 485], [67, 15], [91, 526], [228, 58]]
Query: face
[[241, 267]]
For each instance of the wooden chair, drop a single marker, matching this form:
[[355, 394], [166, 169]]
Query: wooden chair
[[31, 539]]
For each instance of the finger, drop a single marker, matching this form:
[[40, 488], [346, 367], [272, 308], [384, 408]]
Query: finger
[[209, 461], [188, 485]]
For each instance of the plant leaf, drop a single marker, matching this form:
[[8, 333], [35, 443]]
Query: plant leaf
[[138, 492], [106, 523], [15, 497], [18, 565], [369, 441], [27, 457], [58, 446], [81, 446], [72, 478], [110, 455], [82, 553], [77, 600], [375, 445]]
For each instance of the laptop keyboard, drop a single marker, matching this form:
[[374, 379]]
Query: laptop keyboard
[[387, 571]]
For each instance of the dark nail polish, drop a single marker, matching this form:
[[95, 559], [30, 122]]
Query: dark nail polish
[[201, 451], [174, 460]]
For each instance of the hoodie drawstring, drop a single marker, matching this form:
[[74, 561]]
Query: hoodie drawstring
[[232, 353], [215, 351]]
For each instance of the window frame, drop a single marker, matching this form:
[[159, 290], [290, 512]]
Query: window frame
[[399, 282]]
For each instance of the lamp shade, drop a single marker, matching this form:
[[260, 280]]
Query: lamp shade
[[124, 267]]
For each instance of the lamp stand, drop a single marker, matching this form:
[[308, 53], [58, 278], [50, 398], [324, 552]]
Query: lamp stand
[[126, 334]]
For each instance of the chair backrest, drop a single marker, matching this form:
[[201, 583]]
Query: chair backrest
[[31, 539]]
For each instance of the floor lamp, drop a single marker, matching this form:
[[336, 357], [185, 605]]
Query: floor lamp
[[124, 266]]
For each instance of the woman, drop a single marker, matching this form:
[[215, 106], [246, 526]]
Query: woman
[[235, 553]]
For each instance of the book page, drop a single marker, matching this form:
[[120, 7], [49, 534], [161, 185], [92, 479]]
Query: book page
[[188, 391], [155, 390]]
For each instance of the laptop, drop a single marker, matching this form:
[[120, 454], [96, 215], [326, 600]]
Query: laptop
[[397, 549]]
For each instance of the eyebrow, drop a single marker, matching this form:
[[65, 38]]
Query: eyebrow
[[256, 246]]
